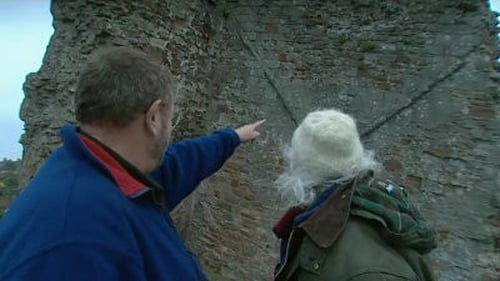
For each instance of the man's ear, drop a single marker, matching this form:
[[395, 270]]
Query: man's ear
[[152, 117]]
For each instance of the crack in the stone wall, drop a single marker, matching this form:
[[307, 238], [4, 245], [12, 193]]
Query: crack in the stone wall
[[268, 76], [366, 133], [190, 204]]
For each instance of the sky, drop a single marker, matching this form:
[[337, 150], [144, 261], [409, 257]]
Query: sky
[[25, 30]]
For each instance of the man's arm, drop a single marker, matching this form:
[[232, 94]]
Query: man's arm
[[188, 162]]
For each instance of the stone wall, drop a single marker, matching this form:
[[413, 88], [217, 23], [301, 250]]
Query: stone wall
[[418, 76]]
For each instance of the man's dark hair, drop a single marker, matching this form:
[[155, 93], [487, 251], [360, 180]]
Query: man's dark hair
[[118, 84]]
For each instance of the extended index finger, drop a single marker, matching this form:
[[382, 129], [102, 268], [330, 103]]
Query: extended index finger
[[258, 123]]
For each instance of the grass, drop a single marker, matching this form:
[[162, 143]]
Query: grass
[[367, 46]]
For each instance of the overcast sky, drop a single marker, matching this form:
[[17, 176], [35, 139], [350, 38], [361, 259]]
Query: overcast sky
[[25, 29]]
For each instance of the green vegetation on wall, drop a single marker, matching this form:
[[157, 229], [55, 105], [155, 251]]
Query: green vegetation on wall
[[8, 182]]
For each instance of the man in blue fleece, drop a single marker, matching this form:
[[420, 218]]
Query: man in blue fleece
[[98, 209]]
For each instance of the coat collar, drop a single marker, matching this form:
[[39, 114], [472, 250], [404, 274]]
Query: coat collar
[[327, 223], [129, 179], [129, 185]]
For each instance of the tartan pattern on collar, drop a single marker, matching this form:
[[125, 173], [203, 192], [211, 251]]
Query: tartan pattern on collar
[[389, 204]]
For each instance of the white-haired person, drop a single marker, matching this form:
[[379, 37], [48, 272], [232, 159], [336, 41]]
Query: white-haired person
[[344, 223]]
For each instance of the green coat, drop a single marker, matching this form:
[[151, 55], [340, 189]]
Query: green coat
[[352, 237]]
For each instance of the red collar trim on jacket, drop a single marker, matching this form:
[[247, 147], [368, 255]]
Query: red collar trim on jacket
[[125, 181], [285, 225]]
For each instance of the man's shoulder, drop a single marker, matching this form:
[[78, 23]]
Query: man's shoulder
[[59, 203], [62, 185]]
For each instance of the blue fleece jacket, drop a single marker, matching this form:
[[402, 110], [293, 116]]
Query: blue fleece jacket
[[74, 222]]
